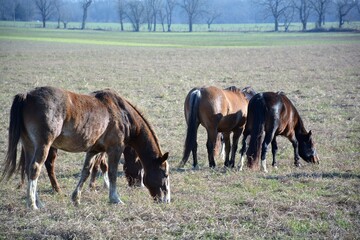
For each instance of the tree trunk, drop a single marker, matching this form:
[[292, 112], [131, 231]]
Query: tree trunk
[[84, 19], [276, 25], [44, 22]]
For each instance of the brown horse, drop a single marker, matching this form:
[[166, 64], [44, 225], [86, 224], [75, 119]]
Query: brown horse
[[218, 110], [131, 166], [48, 117], [275, 114]]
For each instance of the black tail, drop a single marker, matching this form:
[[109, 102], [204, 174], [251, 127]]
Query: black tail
[[256, 114], [15, 129], [191, 133]]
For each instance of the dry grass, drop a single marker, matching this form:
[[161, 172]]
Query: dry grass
[[317, 202]]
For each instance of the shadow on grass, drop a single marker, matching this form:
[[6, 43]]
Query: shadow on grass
[[329, 175]]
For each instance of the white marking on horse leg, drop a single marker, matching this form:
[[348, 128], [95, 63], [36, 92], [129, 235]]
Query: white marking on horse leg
[[263, 166], [241, 163], [113, 196], [142, 178], [39, 203], [31, 201], [106, 180]]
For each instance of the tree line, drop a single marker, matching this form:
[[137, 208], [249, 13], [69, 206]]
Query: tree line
[[163, 13]]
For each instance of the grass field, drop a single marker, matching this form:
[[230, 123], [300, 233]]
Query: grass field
[[320, 72]]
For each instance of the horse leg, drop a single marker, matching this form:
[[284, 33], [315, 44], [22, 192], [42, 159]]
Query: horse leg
[[296, 151], [243, 151], [104, 169], [236, 136], [75, 197], [194, 154], [95, 169], [264, 148], [22, 169], [50, 168], [210, 144], [274, 149], [113, 161], [227, 148], [39, 156]]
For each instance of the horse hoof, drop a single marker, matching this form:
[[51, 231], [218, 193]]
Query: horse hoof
[[118, 202], [196, 168]]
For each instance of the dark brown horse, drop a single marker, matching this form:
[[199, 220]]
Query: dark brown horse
[[131, 166], [218, 110], [275, 114], [48, 117]]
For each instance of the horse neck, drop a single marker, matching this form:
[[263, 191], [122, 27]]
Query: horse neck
[[299, 126], [144, 140], [146, 147]]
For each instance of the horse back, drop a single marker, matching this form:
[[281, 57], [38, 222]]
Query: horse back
[[282, 112], [68, 121]]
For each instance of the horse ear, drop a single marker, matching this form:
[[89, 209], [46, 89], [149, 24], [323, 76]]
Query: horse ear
[[310, 133], [164, 157]]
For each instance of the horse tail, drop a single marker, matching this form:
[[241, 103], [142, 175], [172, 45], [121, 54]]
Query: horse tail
[[15, 129], [192, 122], [256, 111]]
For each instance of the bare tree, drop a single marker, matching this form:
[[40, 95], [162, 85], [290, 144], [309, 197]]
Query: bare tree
[[45, 8], [275, 9], [211, 15], [343, 7], [121, 11], [303, 7], [58, 5], [288, 17], [320, 7], [193, 10], [162, 16], [85, 4], [169, 8], [135, 13]]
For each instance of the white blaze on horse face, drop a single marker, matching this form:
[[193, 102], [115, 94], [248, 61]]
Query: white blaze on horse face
[[167, 197], [32, 194], [263, 166]]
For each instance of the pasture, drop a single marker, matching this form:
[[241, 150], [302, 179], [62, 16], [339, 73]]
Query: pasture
[[319, 72]]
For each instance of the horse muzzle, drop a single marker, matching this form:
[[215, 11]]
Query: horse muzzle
[[315, 159]]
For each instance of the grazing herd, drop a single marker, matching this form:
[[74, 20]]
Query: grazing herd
[[105, 124]]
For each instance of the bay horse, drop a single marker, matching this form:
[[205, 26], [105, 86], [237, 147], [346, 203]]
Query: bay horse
[[102, 121], [275, 114], [219, 111], [131, 167]]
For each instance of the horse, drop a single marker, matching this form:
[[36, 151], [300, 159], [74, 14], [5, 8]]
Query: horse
[[219, 111], [103, 121], [275, 114], [131, 166]]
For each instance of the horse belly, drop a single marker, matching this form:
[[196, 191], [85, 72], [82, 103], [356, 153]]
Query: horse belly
[[74, 139], [230, 122]]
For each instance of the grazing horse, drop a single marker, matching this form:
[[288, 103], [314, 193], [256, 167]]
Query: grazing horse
[[275, 114], [132, 168], [218, 110], [103, 121]]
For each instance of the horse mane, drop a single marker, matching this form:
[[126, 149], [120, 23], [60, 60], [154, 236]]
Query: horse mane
[[146, 122], [100, 95], [232, 89]]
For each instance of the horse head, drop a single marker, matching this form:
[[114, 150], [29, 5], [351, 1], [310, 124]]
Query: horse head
[[248, 92], [307, 149], [157, 180]]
